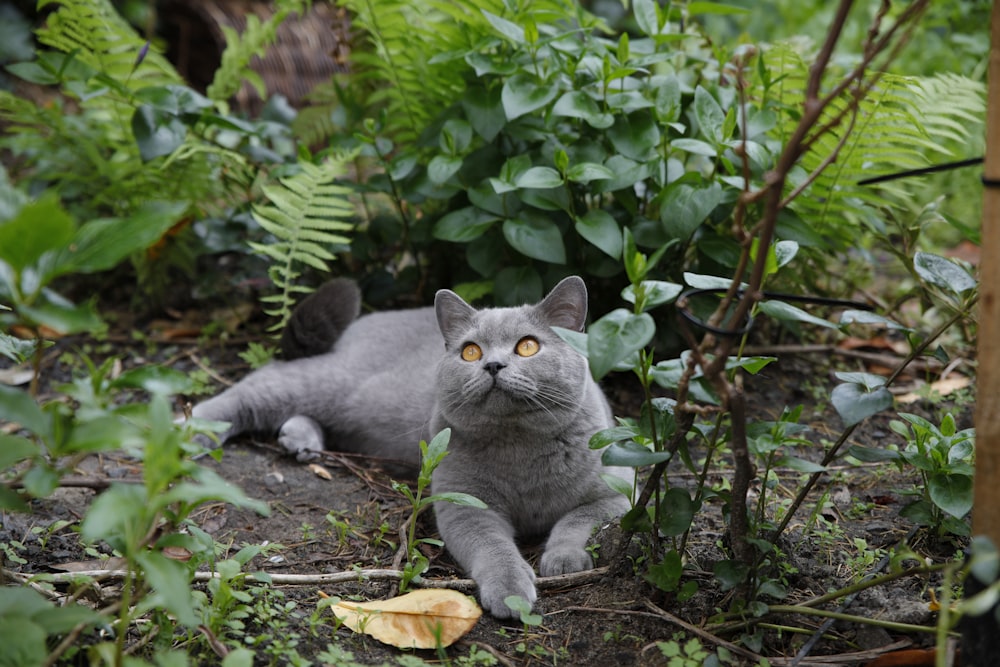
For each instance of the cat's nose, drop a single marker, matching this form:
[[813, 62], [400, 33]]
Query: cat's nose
[[493, 367]]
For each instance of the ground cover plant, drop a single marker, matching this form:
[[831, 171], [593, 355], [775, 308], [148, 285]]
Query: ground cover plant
[[494, 147]]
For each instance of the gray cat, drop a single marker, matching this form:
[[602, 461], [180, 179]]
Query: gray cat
[[519, 401]]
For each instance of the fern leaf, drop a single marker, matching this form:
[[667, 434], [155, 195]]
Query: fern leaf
[[307, 213], [257, 36]]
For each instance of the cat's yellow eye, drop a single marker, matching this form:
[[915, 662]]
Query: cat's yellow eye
[[527, 347], [472, 352]]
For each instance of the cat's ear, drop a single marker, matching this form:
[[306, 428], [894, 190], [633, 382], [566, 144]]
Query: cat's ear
[[566, 305], [454, 316]]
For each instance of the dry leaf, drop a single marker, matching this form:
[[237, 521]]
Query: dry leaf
[[320, 471], [941, 387], [426, 618]]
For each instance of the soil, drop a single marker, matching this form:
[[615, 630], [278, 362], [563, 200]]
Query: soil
[[342, 514]]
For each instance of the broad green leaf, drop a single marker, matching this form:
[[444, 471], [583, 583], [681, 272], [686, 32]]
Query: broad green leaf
[[630, 454], [575, 339], [39, 227], [952, 493], [868, 317], [647, 16], [210, 486], [157, 132], [854, 404], [872, 454], [715, 8], [658, 292], [442, 167], [695, 147], [522, 94], [608, 436], [709, 116], [15, 448], [585, 172], [677, 510], [484, 109], [539, 177], [636, 135], [463, 225], [780, 310], [685, 207], [944, 273], [730, 573], [601, 229], [456, 498], [64, 318], [103, 243], [577, 104], [535, 237], [799, 465], [116, 516], [700, 281], [171, 583], [616, 336], [155, 380], [455, 137], [19, 407], [507, 29], [24, 641], [868, 380], [785, 251]]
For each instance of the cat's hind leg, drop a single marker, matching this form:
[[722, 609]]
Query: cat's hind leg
[[301, 436]]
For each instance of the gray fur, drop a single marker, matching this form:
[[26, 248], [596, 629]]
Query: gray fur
[[520, 425]]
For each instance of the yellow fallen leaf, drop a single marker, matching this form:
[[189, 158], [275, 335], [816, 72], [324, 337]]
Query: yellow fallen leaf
[[425, 618], [320, 471], [941, 387]]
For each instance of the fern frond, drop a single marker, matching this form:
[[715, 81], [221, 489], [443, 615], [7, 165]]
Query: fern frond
[[308, 213], [899, 124], [101, 38], [257, 36]]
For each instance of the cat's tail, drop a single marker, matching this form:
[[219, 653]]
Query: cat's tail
[[317, 322]]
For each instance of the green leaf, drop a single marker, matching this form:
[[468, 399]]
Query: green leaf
[[854, 404], [578, 104], [171, 583], [609, 436], [646, 14], [601, 229], [715, 8], [944, 273], [101, 244], [616, 336], [62, 317], [457, 498], [630, 454], [730, 573], [522, 94], [115, 516], [15, 448], [872, 454], [157, 132], [19, 407], [39, 227], [585, 172], [685, 207], [952, 493], [516, 285], [155, 380], [463, 225], [442, 167], [23, 641], [539, 177], [780, 310], [484, 109], [709, 115], [636, 135], [536, 237], [507, 29], [658, 292], [677, 511], [695, 147]]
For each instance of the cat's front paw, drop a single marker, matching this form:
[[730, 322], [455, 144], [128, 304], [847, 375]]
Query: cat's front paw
[[302, 437], [502, 582], [564, 560]]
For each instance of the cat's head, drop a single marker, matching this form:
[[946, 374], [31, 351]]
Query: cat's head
[[503, 363]]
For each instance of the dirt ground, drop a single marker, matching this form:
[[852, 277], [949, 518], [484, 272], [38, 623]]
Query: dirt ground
[[342, 514]]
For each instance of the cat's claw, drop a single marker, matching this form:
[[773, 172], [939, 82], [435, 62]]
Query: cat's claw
[[564, 561]]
